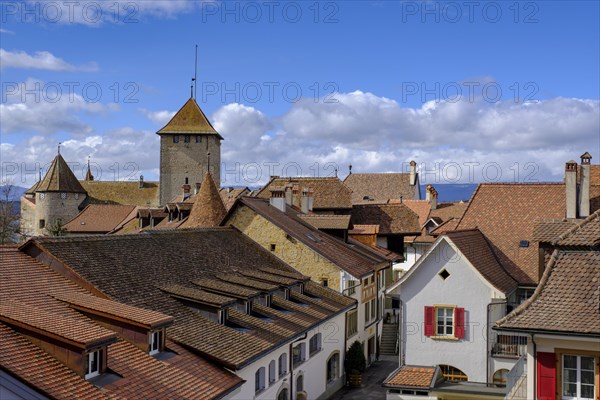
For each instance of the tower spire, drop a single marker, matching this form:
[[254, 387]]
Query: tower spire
[[88, 174]]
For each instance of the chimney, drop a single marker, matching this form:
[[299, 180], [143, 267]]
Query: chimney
[[311, 198], [571, 188], [277, 199], [584, 185], [413, 173], [141, 184], [306, 202], [296, 195], [186, 189], [197, 187], [288, 194], [431, 195]]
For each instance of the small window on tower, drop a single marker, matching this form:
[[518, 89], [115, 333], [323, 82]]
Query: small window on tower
[[42, 196], [325, 282], [198, 139], [444, 274], [176, 139], [273, 246], [42, 223], [186, 139], [63, 196], [76, 196]]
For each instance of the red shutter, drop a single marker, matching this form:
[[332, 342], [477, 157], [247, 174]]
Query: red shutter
[[429, 321], [546, 376], [459, 322]]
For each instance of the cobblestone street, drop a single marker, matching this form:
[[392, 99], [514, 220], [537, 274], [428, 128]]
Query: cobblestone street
[[372, 379]]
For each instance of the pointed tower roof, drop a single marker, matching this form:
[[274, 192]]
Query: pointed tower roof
[[59, 178], [88, 174], [208, 209], [189, 120]]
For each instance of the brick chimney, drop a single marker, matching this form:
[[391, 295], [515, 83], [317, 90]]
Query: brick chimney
[[571, 188], [413, 173], [431, 195], [307, 200], [584, 185], [277, 199]]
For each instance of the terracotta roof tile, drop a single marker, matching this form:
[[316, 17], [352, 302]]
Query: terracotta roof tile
[[420, 207], [360, 229], [409, 376], [473, 245], [548, 230], [393, 219], [327, 221], [505, 213], [329, 193], [380, 187], [230, 195], [585, 234], [99, 218]]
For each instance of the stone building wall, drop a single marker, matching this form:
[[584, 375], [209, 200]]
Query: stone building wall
[[53, 207]]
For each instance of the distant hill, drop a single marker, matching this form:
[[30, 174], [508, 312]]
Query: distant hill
[[16, 193], [452, 191]]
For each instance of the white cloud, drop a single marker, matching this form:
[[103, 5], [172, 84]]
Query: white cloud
[[40, 60], [158, 117], [6, 31]]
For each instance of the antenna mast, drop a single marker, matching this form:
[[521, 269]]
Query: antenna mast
[[196, 73]]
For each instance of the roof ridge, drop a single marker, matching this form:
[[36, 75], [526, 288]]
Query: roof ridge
[[575, 228]]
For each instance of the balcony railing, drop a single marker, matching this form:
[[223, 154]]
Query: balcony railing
[[509, 346]]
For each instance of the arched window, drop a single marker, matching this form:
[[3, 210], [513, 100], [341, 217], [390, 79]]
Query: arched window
[[333, 367], [272, 374], [283, 395], [453, 374], [259, 380], [300, 383], [282, 365], [500, 376]]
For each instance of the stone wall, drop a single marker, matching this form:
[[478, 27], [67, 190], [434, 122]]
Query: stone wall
[[181, 160], [53, 208]]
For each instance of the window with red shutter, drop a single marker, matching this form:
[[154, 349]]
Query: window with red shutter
[[429, 321], [459, 322], [546, 376]]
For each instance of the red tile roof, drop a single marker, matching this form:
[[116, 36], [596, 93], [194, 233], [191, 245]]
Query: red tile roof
[[409, 376], [506, 213], [99, 218], [329, 193], [380, 187], [393, 219], [208, 209]]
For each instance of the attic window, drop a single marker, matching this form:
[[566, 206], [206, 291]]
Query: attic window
[[186, 139], [444, 274], [273, 247], [155, 340], [325, 282], [93, 364], [365, 198], [524, 244]]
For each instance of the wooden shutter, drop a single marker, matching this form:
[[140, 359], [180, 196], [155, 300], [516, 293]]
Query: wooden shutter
[[459, 322], [429, 321], [546, 376]]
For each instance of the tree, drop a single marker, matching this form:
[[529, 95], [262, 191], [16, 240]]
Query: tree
[[355, 359], [9, 217], [56, 229]]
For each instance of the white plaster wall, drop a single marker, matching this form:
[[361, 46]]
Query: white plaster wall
[[413, 253], [549, 344], [463, 288], [313, 369], [398, 396]]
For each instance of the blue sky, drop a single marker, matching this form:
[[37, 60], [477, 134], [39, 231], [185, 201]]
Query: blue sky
[[372, 78]]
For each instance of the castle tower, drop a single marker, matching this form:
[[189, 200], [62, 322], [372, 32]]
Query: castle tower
[[55, 200], [189, 148]]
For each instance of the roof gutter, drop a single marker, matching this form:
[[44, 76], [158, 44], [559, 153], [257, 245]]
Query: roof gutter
[[547, 332]]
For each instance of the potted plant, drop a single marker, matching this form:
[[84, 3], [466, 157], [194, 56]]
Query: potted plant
[[355, 364]]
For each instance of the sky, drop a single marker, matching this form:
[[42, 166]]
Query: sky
[[473, 91]]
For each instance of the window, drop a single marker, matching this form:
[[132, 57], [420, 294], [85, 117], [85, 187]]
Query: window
[[351, 323], [314, 344], [365, 281], [42, 223], [333, 367], [453, 374], [372, 278], [176, 139], [366, 312], [282, 365], [283, 395], [272, 374], [186, 139], [198, 139], [42, 196], [578, 376], [273, 247], [373, 308], [93, 364], [300, 383], [299, 354], [76, 196], [63, 196], [445, 321], [259, 380], [351, 287], [155, 340], [444, 274], [325, 282], [500, 376]]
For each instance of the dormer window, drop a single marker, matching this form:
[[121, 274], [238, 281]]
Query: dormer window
[[93, 364], [155, 340]]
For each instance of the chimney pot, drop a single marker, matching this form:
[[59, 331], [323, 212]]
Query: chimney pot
[[277, 199], [571, 188], [584, 185], [413, 173]]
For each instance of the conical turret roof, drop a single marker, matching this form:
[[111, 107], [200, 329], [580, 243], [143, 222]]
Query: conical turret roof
[[208, 209], [59, 178], [189, 120]]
